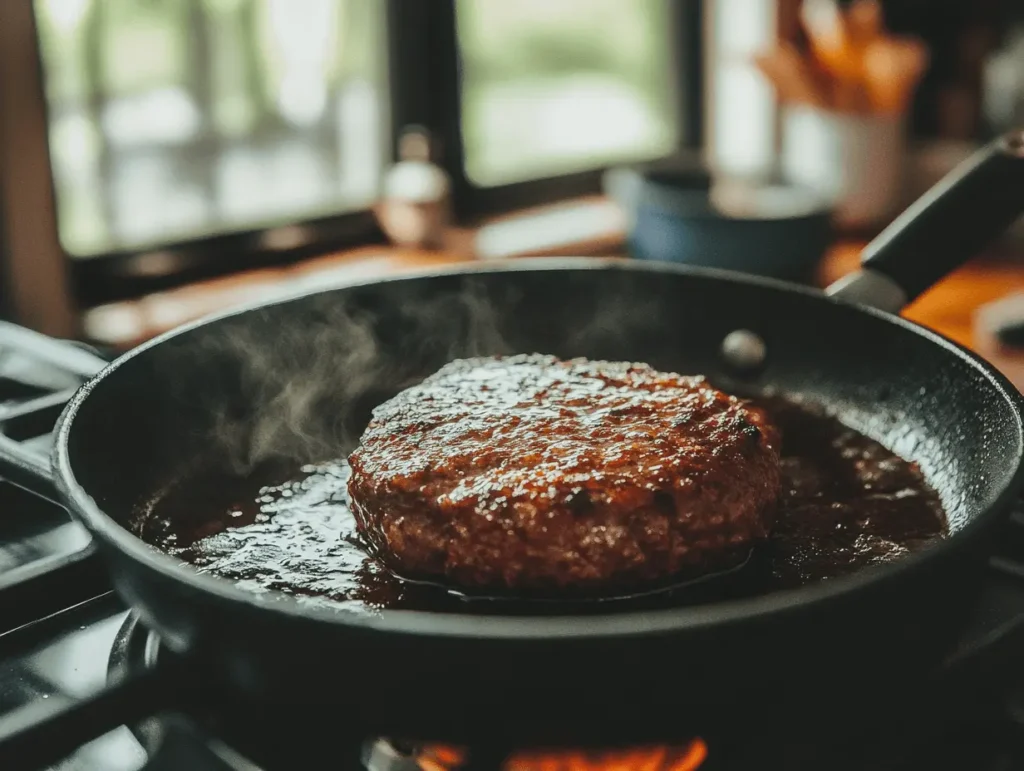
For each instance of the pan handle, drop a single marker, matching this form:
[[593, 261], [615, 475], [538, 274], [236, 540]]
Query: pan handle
[[943, 229]]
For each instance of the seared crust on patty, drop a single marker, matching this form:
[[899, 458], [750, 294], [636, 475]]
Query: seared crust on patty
[[531, 473]]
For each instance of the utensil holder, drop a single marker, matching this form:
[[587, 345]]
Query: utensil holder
[[855, 161]]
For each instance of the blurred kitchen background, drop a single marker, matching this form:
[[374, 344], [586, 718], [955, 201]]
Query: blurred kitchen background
[[164, 159]]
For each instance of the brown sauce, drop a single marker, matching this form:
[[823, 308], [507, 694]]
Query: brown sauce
[[847, 503]]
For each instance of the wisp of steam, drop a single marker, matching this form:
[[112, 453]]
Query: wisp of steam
[[310, 385], [310, 370]]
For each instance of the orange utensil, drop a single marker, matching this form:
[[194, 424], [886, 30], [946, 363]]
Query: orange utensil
[[864, 22], [828, 36], [768, 65], [837, 43], [798, 70], [790, 75], [893, 67]]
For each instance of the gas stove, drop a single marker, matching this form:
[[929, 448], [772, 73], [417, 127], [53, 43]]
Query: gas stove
[[64, 633]]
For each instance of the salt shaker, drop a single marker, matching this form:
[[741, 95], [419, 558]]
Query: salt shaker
[[415, 207]]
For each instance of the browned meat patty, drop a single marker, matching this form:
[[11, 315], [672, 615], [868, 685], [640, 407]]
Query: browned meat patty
[[530, 473]]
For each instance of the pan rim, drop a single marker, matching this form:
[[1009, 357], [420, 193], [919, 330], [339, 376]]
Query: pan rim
[[501, 628]]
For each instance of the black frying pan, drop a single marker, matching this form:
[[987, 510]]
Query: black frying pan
[[623, 676]]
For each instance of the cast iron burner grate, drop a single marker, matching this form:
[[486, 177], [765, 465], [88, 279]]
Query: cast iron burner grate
[[47, 561]]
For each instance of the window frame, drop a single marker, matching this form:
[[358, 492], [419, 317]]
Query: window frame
[[422, 70], [444, 122]]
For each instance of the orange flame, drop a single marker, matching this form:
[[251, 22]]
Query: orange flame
[[686, 758]]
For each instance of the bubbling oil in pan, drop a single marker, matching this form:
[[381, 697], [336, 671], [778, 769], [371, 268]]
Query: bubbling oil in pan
[[847, 503]]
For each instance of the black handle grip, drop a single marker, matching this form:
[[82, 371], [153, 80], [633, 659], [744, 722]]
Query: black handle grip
[[948, 225]]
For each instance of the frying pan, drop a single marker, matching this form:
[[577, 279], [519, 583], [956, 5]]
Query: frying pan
[[300, 376]]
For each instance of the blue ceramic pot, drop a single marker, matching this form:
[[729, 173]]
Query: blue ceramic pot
[[780, 231]]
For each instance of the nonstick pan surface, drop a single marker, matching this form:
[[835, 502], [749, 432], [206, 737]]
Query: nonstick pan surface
[[301, 375]]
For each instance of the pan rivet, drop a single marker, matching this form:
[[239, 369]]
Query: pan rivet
[[744, 350]]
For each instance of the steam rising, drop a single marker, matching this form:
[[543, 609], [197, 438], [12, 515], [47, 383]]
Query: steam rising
[[297, 382], [307, 383]]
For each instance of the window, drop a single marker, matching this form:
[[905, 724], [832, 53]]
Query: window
[[171, 121], [189, 138], [559, 86], [742, 103]]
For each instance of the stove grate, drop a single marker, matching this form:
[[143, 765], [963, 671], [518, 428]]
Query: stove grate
[[47, 561]]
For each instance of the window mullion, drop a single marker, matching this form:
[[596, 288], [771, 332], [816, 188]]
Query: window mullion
[[423, 60]]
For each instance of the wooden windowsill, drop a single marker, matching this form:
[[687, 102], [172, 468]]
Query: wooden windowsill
[[588, 226]]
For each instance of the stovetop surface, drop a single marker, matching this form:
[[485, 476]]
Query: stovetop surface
[[59, 623], [54, 639]]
